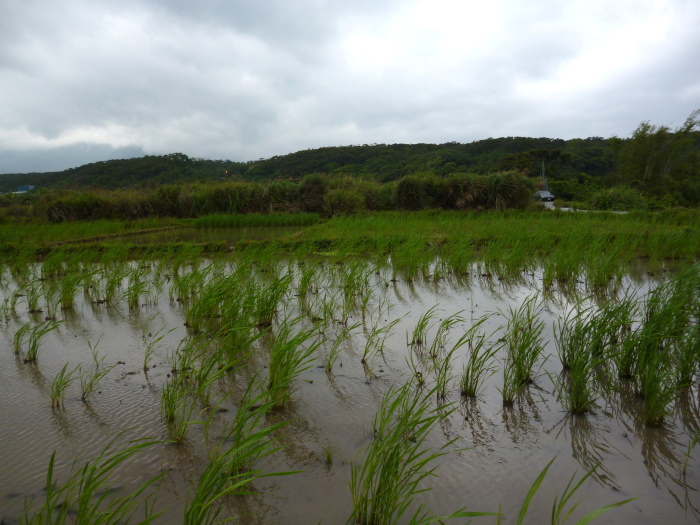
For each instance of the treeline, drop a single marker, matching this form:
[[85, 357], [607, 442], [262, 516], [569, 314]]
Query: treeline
[[656, 164], [325, 194], [144, 172]]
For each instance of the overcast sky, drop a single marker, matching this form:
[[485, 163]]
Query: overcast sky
[[87, 80]]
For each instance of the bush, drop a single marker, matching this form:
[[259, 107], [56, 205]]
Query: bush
[[343, 202], [618, 199]]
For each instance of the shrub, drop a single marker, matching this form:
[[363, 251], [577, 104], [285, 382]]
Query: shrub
[[343, 202], [618, 198]]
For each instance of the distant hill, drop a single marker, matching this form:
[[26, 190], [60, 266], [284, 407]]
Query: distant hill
[[592, 156]]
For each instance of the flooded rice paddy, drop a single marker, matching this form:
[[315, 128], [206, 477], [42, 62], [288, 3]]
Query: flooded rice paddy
[[210, 327]]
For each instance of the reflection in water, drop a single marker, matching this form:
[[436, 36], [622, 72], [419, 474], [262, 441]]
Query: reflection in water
[[588, 446]]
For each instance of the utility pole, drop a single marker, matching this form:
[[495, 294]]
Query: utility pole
[[543, 175]]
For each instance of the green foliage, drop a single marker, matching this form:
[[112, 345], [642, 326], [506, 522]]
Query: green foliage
[[87, 496], [343, 202], [618, 198], [658, 161]]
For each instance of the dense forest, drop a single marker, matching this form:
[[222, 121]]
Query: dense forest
[[655, 163]]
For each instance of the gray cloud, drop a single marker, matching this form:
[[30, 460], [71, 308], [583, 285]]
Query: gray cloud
[[242, 79]]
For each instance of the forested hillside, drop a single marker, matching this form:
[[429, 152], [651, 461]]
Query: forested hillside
[[655, 161]]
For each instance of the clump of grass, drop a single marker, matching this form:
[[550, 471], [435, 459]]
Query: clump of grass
[[36, 334], [387, 477], [290, 355], [477, 368], [327, 452], [419, 337], [60, 385], [523, 338], [88, 497], [176, 409], [578, 344], [440, 340], [333, 353], [222, 477], [21, 335], [89, 380]]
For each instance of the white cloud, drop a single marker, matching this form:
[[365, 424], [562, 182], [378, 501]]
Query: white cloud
[[242, 80]]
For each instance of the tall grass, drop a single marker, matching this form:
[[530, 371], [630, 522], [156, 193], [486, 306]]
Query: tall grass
[[256, 220]]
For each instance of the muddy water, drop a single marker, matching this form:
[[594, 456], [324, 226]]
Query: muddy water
[[496, 456]]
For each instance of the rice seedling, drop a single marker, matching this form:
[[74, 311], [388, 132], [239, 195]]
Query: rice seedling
[[477, 368], [390, 471], [419, 337], [511, 382], [69, 289], [60, 384], [222, 477], [153, 345], [657, 385], [417, 374], [136, 287], [87, 495], [35, 336], [20, 337], [290, 355], [334, 351], [375, 340], [267, 300], [306, 279], [176, 408], [523, 338], [89, 380], [443, 376], [34, 293], [327, 453], [560, 512], [114, 279], [440, 340], [686, 355]]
